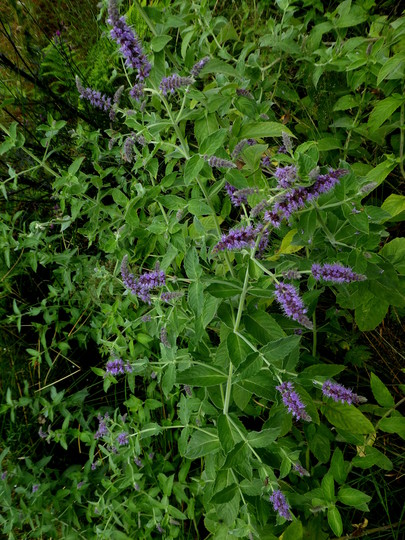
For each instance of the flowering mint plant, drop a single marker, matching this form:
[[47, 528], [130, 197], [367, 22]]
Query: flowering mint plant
[[208, 224]]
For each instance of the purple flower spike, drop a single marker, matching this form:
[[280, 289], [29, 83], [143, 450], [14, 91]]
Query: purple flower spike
[[339, 393], [102, 427], [35, 488], [325, 182], [136, 91], [95, 97], [298, 468], [245, 237], [286, 176], [142, 286], [266, 162], [280, 504], [292, 401], [173, 83], [195, 70], [215, 161], [128, 41], [238, 196], [293, 306], [243, 92], [122, 438], [336, 273]]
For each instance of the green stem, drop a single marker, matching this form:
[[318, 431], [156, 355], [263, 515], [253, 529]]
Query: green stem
[[401, 141]]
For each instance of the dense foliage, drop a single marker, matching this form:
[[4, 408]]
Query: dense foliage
[[190, 253]]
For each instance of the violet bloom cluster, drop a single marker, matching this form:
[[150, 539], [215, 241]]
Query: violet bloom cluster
[[288, 297], [122, 438], [96, 98], [339, 393], [280, 504], [336, 273], [102, 426], [117, 367], [215, 161], [173, 83], [243, 92], [238, 196], [245, 237], [195, 70], [142, 285], [286, 176], [298, 468], [292, 401], [128, 41], [296, 198]]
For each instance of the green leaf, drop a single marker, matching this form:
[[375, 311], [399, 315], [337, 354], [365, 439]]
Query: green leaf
[[224, 289], [393, 68], [347, 417], [238, 350], [218, 66], [119, 198], [227, 434], [279, 349], [328, 487], [202, 443], [259, 130], [263, 439], [395, 206], [369, 315], [329, 143], [383, 110], [335, 520], [371, 456], [321, 370], [75, 166], [293, 531], [394, 251], [225, 495], [259, 384], [381, 393], [158, 43], [338, 466], [263, 327], [345, 102], [192, 169], [192, 264], [394, 424], [353, 497], [198, 208], [380, 172], [168, 379], [213, 142], [201, 376]]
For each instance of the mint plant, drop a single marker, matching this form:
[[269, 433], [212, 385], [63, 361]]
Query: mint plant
[[195, 241]]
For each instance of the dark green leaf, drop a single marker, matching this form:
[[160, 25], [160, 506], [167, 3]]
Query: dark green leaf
[[348, 418], [225, 495], [263, 439], [394, 424], [381, 393], [263, 327], [202, 443], [259, 130], [335, 520], [238, 350], [201, 376]]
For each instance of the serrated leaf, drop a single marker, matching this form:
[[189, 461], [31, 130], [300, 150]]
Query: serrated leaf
[[238, 350], [225, 495], [394, 251], [192, 264], [263, 439], [347, 417], [218, 66], [371, 456], [279, 349], [380, 392], [213, 142], [259, 130], [394, 424], [328, 488], [294, 531], [224, 289], [202, 443], [353, 497], [227, 434], [383, 110], [158, 43], [395, 206], [369, 315], [192, 169], [335, 520], [201, 376], [263, 327]]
